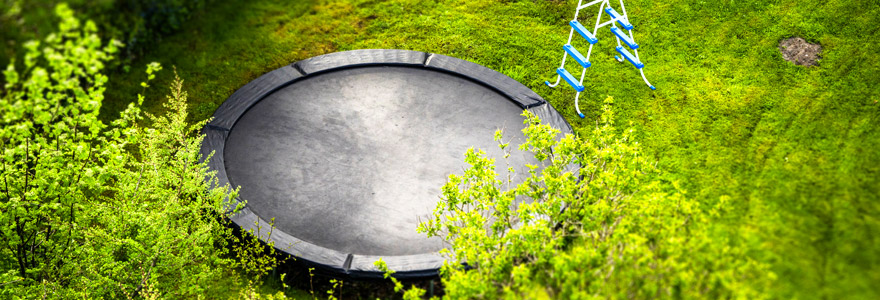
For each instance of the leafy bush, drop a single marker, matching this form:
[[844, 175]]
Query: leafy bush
[[610, 228], [139, 24], [90, 210], [142, 23], [50, 153]]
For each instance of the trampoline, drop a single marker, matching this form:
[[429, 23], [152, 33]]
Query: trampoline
[[347, 151]]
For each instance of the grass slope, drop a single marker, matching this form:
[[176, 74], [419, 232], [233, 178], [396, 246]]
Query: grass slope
[[793, 151]]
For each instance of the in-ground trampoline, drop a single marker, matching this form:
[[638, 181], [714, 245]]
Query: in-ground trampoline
[[348, 151]]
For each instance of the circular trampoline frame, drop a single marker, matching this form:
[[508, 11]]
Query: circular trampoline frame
[[330, 260]]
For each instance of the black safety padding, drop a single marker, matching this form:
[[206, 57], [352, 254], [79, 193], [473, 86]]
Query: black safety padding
[[356, 58], [253, 223], [550, 116], [517, 92], [249, 94]]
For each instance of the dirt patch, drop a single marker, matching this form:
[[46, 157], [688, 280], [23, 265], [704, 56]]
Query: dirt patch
[[800, 52]]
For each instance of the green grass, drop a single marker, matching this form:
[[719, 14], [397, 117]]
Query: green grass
[[793, 151]]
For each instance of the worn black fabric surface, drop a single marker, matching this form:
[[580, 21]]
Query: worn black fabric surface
[[347, 151]]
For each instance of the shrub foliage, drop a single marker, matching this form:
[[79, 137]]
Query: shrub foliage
[[138, 24], [594, 220], [94, 210]]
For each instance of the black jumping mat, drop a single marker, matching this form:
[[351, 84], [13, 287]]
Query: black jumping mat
[[347, 151]]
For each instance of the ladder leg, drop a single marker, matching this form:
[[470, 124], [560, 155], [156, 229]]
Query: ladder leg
[[619, 58], [555, 84], [646, 79], [633, 37], [599, 16], [601, 9], [578, 95], [623, 9], [642, 71], [564, 56], [617, 38], [576, 107]]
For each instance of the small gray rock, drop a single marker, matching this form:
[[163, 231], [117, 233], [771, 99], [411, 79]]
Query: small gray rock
[[800, 52]]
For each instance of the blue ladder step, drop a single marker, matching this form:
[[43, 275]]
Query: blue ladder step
[[570, 79], [614, 15], [626, 39], [577, 56], [583, 31], [632, 59]]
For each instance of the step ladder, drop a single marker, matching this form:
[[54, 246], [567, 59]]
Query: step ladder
[[626, 38]]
